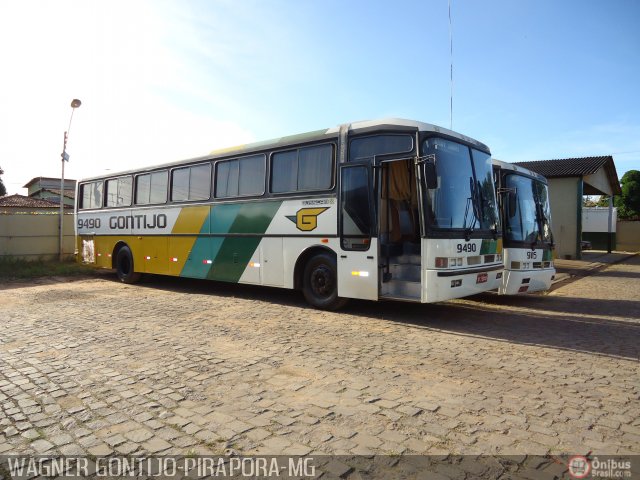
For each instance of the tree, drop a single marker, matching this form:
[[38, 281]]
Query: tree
[[629, 202], [3, 190], [587, 201]]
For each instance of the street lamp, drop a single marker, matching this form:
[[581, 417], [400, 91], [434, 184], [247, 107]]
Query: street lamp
[[75, 103]]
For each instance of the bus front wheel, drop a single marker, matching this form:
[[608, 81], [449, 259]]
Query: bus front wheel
[[124, 266], [320, 283]]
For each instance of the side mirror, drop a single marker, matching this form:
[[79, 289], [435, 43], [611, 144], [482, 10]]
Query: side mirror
[[430, 175], [512, 203]]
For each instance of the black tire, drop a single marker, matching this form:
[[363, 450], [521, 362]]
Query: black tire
[[124, 266], [320, 283]]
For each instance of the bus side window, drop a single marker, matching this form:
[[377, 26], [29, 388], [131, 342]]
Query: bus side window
[[91, 195], [355, 208], [151, 188], [303, 170]]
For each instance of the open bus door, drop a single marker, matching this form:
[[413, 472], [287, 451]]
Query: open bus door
[[399, 231], [358, 254]]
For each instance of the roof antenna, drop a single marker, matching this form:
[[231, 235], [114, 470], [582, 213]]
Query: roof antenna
[[450, 71]]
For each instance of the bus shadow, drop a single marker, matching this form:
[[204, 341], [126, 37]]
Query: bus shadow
[[565, 323], [559, 329], [567, 305], [618, 273], [277, 296]]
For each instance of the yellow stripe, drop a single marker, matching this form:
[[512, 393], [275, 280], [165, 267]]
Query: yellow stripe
[[190, 220]]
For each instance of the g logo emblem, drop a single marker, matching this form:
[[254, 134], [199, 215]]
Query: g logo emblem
[[306, 219]]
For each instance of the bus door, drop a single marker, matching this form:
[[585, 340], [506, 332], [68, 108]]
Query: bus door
[[358, 253], [399, 228]]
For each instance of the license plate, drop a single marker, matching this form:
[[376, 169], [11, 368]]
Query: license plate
[[482, 278]]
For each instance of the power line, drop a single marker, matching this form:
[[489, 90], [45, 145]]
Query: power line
[[450, 70]]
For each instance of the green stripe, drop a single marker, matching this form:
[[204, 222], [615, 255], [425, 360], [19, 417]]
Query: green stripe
[[234, 253], [488, 246]]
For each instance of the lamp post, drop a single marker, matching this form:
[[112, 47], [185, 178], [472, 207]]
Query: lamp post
[[75, 103]]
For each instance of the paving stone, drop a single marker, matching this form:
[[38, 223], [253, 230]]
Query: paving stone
[[41, 446], [31, 434], [138, 436], [276, 445], [61, 439], [127, 448], [100, 450], [156, 445], [366, 440]]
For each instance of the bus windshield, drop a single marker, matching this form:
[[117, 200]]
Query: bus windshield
[[465, 196], [531, 218]]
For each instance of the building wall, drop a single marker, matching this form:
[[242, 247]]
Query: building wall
[[595, 227], [53, 183], [628, 236], [600, 181], [563, 197], [52, 197], [35, 235]]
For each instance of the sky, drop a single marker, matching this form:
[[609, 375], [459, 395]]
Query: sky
[[164, 80]]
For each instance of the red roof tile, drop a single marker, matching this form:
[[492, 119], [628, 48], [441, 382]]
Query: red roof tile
[[27, 202]]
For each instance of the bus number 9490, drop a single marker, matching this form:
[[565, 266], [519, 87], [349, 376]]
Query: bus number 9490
[[89, 223], [467, 247]]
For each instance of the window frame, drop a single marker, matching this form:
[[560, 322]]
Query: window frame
[[81, 195], [105, 192], [135, 185], [297, 149], [182, 167], [238, 159]]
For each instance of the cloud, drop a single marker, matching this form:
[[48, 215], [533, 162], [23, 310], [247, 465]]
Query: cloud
[[143, 101]]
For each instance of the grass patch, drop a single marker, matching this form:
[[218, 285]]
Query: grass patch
[[13, 268]]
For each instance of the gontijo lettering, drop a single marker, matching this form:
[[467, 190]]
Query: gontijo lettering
[[138, 221]]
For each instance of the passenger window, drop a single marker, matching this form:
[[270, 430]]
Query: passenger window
[[118, 192], [191, 183], [305, 169], [91, 195], [151, 188], [240, 177]]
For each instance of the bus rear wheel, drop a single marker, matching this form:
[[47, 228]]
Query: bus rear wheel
[[320, 283], [124, 266]]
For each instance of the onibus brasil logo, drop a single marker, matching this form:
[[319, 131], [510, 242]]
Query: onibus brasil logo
[[306, 219]]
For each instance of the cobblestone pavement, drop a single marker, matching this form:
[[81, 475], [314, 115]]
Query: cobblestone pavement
[[173, 366]]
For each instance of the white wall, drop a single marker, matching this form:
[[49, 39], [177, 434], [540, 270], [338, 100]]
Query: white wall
[[596, 219]]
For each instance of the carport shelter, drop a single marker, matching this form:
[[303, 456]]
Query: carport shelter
[[570, 179]]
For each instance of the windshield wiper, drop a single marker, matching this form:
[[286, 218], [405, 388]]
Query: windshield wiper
[[539, 222], [471, 202], [467, 230], [543, 221]]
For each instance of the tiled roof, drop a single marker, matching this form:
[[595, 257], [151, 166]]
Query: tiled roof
[[40, 179], [27, 202], [575, 167], [566, 167], [67, 193]]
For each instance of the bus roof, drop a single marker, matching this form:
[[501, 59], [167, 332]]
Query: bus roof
[[359, 127], [517, 169]]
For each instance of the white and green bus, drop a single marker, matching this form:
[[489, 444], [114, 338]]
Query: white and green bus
[[390, 209], [526, 228]]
